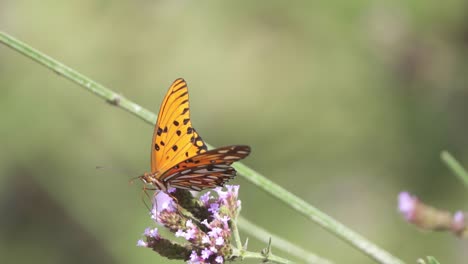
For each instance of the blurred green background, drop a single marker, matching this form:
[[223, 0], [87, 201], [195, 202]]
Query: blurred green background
[[345, 103]]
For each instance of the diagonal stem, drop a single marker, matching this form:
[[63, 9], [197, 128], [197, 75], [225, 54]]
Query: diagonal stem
[[317, 216], [280, 243], [455, 166], [254, 255], [256, 178]]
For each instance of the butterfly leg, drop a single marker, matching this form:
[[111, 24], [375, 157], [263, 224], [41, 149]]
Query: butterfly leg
[[175, 200], [144, 190]]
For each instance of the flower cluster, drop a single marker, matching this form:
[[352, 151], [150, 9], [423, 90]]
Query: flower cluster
[[407, 205], [430, 218], [207, 230]]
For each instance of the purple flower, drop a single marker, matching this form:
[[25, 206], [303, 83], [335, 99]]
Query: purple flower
[[210, 244], [219, 259], [206, 253], [141, 243], [458, 221], [180, 233], [190, 234], [205, 198], [162, 202], [219, 241], [151, 233], [221, 194], [407, 205], [191, 228], [206, 239], [194, 258], [213, 249], [189, 224], [459, 217], [233, 189], [224, 219], [214, 208], [215, 232]]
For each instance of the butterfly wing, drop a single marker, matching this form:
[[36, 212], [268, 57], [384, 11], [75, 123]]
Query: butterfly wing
[[174, 138], [205, 170]]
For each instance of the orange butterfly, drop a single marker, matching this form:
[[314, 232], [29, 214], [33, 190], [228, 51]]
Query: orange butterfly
[[179, 157]]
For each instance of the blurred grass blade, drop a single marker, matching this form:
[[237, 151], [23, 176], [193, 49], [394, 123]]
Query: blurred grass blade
[[280, 243], [78, 78], [430, 260], [256, 178], [455, 166]]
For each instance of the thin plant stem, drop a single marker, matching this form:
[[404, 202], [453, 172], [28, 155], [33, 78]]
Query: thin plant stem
[[235, 231], [78, 78], [280, 243], [254, 177], [254, 255], [455, 166], [271, 257], [317, 216]]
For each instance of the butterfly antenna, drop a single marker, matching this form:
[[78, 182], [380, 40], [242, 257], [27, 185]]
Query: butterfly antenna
[[111, 169]]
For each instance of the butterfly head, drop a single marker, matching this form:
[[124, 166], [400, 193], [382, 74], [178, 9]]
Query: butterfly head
[[152, 179]]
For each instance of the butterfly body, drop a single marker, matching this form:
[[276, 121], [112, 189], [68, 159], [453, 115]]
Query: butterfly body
[[179, 156]]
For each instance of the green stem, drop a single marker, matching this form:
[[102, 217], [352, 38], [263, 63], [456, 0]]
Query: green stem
[[280, 243], [235, 230], [271, 257], [254, 255], [78, 78], [455, 166], [317, 216], [256, 178]]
